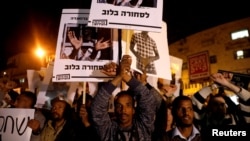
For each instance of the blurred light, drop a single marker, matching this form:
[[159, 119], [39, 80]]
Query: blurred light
[[240, 53], [40, 52], [239, 34]]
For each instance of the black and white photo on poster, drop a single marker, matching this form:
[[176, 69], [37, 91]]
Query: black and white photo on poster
[[14, 124], [84, 43], [82, 50], [143, 15], [149, 51]]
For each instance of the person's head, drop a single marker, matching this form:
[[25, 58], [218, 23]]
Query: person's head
[[11, 84], [182, 111], [217, 105], [60, 109], [26, 99], [145, 34], [124, 108], [88, 33]]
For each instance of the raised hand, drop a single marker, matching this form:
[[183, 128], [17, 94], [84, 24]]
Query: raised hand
[[110, 69], [141, 77], [77, 43], [219, 78], [125, 65], [34, 125], [102, 44], [84, 115], [169, 90]]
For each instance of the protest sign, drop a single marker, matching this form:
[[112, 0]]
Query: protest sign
[[239, 79], [199, 65], [13, 124], [144, 15], [82, 51], [149, 45]]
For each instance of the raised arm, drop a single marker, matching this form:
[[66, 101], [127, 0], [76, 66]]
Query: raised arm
[[243, 94], [145, 110], [76, 43], [101, 118]]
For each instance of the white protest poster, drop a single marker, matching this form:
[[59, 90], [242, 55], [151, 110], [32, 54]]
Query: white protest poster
[[77, 89], [176, 66], [34, 80], [13, 124], [149, 47], [49, 89], [143, 15], [176, 70], [82, 51]]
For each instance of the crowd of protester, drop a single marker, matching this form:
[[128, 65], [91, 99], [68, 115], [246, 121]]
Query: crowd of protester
[[141, 113]]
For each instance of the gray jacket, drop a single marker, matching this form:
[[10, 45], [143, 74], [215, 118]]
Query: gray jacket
[[143, 124]]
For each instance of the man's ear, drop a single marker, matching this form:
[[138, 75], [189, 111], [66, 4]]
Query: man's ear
[[134, 110]]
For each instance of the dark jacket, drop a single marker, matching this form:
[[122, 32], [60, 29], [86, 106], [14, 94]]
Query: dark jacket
[[85, 133], [143, 124], [67, 133]]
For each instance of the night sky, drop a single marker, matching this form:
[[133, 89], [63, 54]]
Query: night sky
[[25, 24]]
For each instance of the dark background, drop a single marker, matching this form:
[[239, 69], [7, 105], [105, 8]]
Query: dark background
[[24, 23]]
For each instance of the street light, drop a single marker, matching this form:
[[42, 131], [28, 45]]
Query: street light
[[41, 54]]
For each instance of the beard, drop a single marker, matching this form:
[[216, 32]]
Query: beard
[[182, 123], [55, 116]]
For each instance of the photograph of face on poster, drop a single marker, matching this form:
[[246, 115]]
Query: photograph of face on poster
[[149, 51]]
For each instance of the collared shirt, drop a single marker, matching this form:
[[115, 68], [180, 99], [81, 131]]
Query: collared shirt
[[142, 123], [49, 133], [176, 132]]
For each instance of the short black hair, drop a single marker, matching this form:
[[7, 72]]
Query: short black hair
[[13, 94], [211, 102], [125, 92], [67, 113], [30, 95], [176, 102]]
